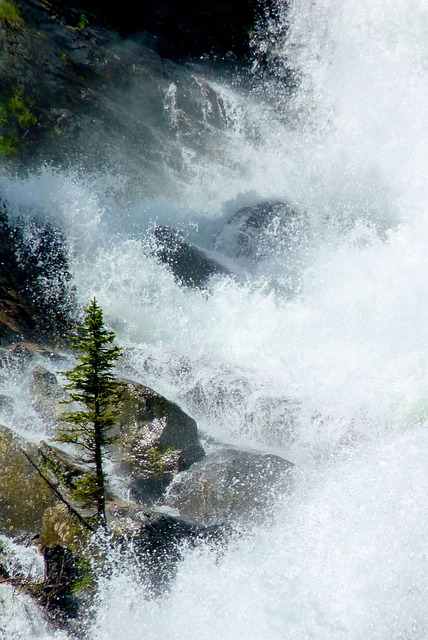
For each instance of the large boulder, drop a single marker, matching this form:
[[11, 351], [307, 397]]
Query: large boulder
[[191, 265], [255, 232], [157, 440], [229, 486]]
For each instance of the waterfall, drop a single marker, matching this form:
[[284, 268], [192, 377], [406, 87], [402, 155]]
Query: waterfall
[[344, 556]]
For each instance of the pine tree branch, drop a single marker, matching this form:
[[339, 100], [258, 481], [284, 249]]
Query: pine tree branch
[[58, 493]]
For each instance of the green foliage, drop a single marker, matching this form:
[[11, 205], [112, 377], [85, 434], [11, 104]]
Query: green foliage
[[85, 579], [83, 22], [84, 490], [15, 119], [4, 116], [96, 392], [10, 14], [8, 146], [19, 109]]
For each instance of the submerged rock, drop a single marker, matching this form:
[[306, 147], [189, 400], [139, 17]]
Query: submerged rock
[[254, 232], [191, 265], [229, 486], [157, 542], [157, 440], [272, 419]]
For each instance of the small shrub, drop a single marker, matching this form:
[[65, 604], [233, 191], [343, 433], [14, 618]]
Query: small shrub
[[8, 146], [15, 119], [10, 14], [83, 22], [20, 111]]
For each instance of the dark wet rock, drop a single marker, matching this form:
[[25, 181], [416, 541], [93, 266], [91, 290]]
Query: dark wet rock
[[157, 440], [100, 100], [36, 300], [229, 486], [191, 265], [158, 541], [254, 232], [20, 354], [180, 28], [61, 575]]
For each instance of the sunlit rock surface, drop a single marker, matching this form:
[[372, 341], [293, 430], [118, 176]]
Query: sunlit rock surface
[[230, 486]]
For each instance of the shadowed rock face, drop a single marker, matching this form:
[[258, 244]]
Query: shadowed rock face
[[99, 99], [35, 299], [184, 28]]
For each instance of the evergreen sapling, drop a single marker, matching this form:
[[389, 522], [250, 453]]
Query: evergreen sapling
[[93, 387]]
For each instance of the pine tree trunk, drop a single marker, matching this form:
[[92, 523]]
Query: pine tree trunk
[[101, 499]]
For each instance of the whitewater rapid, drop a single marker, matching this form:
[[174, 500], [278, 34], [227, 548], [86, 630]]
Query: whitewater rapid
[[345, 557]]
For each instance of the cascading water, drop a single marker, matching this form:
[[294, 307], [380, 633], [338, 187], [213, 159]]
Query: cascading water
[[345, 556]]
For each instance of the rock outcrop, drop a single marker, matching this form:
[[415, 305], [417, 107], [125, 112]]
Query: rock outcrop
[[229, 486], [157, 440], [24, 496], [75, 91]]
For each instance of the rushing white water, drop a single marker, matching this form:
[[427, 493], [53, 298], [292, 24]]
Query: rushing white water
[[346, 555]]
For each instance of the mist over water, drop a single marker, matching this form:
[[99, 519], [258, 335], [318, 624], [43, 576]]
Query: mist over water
[[345, 556]]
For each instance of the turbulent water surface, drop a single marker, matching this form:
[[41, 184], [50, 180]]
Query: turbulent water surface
[[345, 556]]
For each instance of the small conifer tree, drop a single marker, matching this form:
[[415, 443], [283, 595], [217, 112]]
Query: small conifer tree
[[92, 386]]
